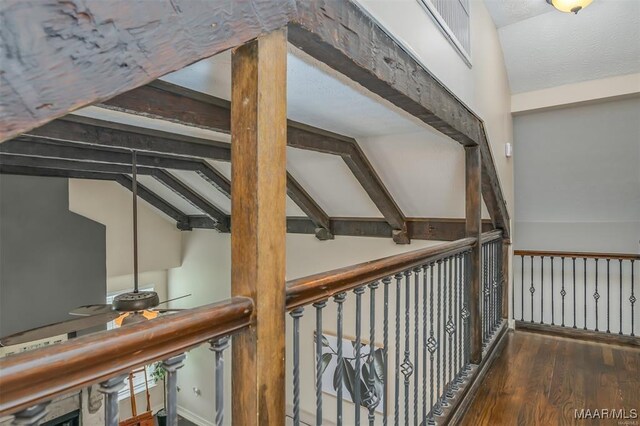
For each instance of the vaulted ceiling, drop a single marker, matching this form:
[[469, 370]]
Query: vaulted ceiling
[[545, 48]]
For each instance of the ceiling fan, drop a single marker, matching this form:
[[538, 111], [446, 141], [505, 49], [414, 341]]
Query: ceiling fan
[[126, 308]]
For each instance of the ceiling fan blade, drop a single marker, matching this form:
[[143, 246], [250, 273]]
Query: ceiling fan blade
[[88, 310], [175, 298], [57, 329], [162, 311]]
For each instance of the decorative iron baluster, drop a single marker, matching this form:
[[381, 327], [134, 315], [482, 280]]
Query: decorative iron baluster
[[33, 415], [110, 389], [563, 292], [432, 346], [585, 293], [620, 260], [574, 292], [357, 348], [171, 365], [456, 285], [632, 299], [437, 408], [416, 342], [450, 329], [608, 293], [407, 367], [319, 306], [553, 306], [513, 294], [485, 294], [522, 288], [396, 413], [466, 313], [339, 299], [424, 341], [532, 289], [372, 398], [386, 281], [296, 314], [459, 316], [541, 289], [218, 347], [596, 295], [443, 357]]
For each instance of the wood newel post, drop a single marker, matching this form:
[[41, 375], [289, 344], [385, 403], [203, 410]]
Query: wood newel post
[[258, 189], [474, 229]]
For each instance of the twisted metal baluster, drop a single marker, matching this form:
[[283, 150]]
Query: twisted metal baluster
[[596, 295], [319, 306], [608, 294], [459, 316], [339, 299], [620, 260], [424, 341], [437, 408], [532, 289], [585, 293], [33, 415], [485, 293], [386, 281], [396, 414], [443, 357], [372, 398], [296, 314], [466, 313], [407, 367], [574, 292], [218, 347], [450, 329], [455, 379], [357, 349], [110, 389], [416, 360], [552, 293], [541, 289], [632, 299], [522, 288], [563, 292], [432, 346]]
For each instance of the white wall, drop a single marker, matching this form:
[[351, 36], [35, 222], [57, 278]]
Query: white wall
[[109, 203]]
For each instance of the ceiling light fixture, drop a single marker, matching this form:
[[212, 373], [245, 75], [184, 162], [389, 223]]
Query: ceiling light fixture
[[569, 6]]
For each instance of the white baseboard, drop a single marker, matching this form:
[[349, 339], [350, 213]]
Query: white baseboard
[[193, 417]]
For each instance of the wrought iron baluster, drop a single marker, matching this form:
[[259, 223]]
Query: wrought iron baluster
[[385, 411], [407, 367], [585, 293], [574, 291], [532, 289], [218, 347], [424, 341], [553, 306], [339, 299], [620, 332], [437, 408], [632, 299], [596, 295], [466, 313], [563, 292], [459, 318], [296, 314], [432, 346], [396, 413], [485, 293], [372, 398], [522, 288], [541, 289], [450, 328], [33, 415], [608, 293], [357, 349], [443, 357], [171, 365], [456, 285], [110, 389], [319, 306], [416, 341]]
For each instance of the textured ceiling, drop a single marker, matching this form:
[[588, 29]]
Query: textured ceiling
[[548, 48]]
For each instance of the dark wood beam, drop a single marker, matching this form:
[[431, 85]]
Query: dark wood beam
[[193, 108], [318, 217], [82, 52], [220, 218], [343, 36]]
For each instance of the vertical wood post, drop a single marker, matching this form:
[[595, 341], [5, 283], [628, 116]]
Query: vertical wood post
[[258, 189], [474, 229]]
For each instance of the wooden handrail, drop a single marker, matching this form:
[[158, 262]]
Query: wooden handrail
[[496, 234], [42, 374], [577, 254], [314, 288]]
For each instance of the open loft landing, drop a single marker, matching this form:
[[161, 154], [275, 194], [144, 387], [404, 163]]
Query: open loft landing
[[329, 212]]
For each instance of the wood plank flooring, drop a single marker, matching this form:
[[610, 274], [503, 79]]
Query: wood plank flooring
[[542, 380]]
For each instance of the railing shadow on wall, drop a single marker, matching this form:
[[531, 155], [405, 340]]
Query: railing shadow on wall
[[578, 294], [418, 306]]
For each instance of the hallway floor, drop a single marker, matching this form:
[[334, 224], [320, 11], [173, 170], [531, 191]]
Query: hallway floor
[[543, 380]]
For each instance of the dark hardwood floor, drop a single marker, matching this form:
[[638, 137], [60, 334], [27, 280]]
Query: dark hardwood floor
[[542, 380]]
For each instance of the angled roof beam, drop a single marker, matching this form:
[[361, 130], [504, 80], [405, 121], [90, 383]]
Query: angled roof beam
[[193, 108]]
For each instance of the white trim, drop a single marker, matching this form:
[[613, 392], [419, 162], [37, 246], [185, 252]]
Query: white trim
[[193, 417]]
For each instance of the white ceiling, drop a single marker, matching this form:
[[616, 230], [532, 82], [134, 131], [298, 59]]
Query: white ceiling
[[545, 48]]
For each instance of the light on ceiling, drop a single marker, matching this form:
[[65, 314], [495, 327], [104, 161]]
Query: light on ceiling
[[569, 6]]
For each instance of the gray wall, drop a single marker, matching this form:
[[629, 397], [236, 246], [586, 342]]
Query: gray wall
[[51, 260], [577, 178]]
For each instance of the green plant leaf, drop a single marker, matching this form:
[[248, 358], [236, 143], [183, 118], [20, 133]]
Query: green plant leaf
[[378, 363], [325, 360], [350, 378]]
